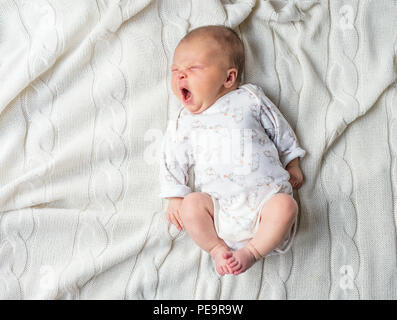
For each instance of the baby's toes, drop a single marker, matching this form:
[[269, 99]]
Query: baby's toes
[[227, 269], [230, 260], [234, 265], [220, 270], [227, 255], [238, 267], [236, 272]]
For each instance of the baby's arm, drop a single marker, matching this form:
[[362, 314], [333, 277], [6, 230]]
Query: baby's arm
[[284, 138], [174, 165], [281, 133]]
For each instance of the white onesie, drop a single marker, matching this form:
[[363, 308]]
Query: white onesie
[[238, 149]]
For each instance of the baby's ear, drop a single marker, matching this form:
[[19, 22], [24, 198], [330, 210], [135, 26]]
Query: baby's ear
[[231, 77]]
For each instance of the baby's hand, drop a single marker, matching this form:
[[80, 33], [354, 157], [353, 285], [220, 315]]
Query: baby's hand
[[173, 212], [296, 174]]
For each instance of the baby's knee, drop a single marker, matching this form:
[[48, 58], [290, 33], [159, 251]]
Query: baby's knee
[[286, 207], [191, 205], [192, 199]]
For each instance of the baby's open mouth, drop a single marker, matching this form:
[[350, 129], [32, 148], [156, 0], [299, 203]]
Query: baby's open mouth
[[186, 94]]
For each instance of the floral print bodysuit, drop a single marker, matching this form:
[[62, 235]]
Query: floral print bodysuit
[[238, 149]]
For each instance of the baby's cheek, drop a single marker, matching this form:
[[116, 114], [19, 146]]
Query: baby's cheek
[[174, 87]]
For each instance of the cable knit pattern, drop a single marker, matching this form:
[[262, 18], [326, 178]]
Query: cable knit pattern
[[343, 82], [276, 270], [391, 112], [36, 106], [85, 85]]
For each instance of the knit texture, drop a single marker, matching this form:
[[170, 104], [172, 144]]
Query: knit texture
[[84, 101]]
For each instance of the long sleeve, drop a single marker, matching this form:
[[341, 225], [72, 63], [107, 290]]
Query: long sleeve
[[174, 164], [279, 130]]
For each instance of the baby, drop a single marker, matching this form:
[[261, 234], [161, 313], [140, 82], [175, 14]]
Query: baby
[[242, 207]]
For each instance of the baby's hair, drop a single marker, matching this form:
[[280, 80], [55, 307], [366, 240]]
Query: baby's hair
[[228, 39]]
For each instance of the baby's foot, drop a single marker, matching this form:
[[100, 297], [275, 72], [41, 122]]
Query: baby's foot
[[221, 254], [242, 259]]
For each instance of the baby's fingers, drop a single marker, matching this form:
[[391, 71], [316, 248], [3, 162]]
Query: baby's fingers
[[169, 217], [174, 221], [178, 217]]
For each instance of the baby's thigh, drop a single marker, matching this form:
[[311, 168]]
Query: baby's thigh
[[199, 201]]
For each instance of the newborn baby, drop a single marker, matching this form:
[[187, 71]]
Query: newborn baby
[[242, 207]]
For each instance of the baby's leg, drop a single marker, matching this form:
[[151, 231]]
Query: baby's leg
[[197, 213], [276, 219]]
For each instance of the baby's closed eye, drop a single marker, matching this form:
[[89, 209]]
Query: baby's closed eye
[[190, 68], [194, 68]]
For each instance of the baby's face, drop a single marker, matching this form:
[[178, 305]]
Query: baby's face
[[199, 73]]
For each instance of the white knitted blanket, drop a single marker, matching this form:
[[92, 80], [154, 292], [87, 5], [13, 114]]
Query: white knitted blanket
[[84, 101]]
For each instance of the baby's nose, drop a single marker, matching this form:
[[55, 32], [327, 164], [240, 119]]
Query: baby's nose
[[182, 75]]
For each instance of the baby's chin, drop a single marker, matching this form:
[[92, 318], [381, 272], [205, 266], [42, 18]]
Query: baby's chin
[[196, 110], [195, 107]]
